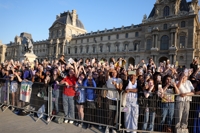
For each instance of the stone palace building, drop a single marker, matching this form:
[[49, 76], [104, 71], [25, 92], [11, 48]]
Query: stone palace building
[[171, 31]]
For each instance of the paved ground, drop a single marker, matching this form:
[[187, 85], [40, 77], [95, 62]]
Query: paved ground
[[11, 123]]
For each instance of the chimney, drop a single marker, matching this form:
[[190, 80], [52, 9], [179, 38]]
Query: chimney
[[74, 17]]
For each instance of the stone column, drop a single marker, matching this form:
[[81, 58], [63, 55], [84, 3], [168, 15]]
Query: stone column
[[57, 43], [172, 39], [156, 41], [154, 45], [63, 47], [175, 39], [171, 58]]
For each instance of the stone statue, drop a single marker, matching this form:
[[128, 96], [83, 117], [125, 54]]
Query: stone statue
[[28, 45], [191, 8], [144, 17]]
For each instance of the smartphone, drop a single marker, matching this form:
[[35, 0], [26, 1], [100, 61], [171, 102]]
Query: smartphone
[[131, 72], [158, 78]]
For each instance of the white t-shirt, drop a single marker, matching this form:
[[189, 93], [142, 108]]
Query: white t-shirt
[[112, 94], [132, 97], [185, 88]]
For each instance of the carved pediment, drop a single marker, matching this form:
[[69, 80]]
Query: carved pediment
[[56, 25]]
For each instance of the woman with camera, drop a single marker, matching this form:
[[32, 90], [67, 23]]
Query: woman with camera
[[168, 90], [150, 97], [186, 90]]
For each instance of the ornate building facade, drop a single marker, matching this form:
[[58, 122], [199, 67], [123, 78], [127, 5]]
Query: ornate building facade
[[171, 31]]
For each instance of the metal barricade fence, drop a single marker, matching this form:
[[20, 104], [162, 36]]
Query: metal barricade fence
[[98, 111], [25, 98], [163, 113], [102, 111]]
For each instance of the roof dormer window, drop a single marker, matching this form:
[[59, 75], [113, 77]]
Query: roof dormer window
[[166, 11]]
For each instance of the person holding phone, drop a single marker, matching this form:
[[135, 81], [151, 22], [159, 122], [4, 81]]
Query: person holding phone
[[150, 105], [186, 90], [169, 88]]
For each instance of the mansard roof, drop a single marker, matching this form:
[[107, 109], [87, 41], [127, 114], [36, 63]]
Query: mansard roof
[[66, 18], [184, 6]]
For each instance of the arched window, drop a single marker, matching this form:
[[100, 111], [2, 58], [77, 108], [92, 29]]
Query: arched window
[[149, 44], [94, 49], [125, 47], [108, 48], [182, 23], [101, 48], [166, 11], [165, 26], [164, 45], [182, 41], [87, 49], [135, 46]]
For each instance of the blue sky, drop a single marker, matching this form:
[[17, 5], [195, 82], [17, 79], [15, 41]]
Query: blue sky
[[36, 16]]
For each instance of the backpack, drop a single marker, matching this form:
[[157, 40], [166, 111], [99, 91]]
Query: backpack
[[60, 118]]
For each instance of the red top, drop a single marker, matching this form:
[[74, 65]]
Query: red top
[[71, 81]]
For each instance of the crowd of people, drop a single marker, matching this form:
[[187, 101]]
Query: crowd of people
[[148, 87]]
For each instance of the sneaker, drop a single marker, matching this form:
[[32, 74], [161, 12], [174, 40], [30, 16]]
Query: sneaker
[[71, 122], [79, 125], [100, 127], [88, 126], [66, 121], [48, 119], [114, 131], [107, 130]]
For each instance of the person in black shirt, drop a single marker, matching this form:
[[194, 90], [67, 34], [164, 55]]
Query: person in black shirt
[[194, 66]]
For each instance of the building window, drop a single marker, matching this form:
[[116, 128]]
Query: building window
[[108, 37], [117, 47], [101, 38], [101, 49], [75, 50], [108, 48], [87, 49], [183, 24], [125, 47], [164, 45], [81, 49], [117, 36], [165, 26], [87, 39], [166, 11], [68, 50], [81, 40], [57, 33], [135, 46], [136, 34], [61, 49], [54, 49], [149, 44], [126, 35], [63, 32], [94, 49], [182, 42], [76, 41]]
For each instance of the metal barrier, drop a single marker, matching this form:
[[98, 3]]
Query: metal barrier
[[102, 111], [160, 125]]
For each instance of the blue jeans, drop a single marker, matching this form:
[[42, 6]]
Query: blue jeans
[[68, 106], [148, 115], [55, 95], [167, 111]]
